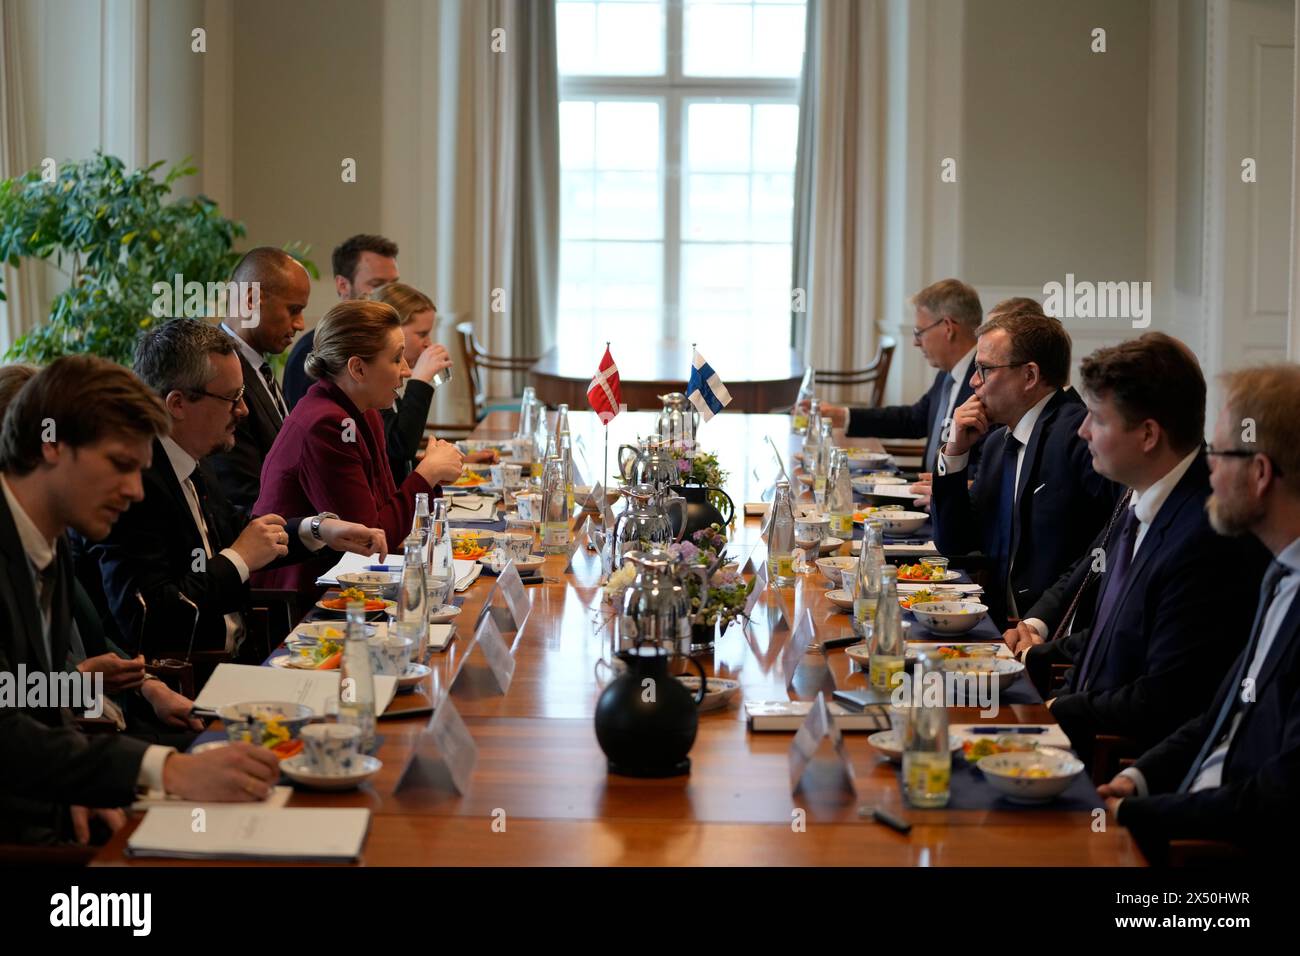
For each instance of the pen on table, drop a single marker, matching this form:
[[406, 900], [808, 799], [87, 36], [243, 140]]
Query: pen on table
[[383, 567], [885, 817], [1008, 730]]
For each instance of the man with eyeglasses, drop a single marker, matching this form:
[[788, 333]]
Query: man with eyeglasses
[[184, 551], [1232, 772], [1146, 621], [278, 288], [947, 314], [1037, 501]]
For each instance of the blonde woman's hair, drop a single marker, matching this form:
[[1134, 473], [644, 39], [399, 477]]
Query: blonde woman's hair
[[355, 327], [407, 300]]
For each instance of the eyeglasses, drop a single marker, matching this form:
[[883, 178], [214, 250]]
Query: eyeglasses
[[917, 333], [1213, 452], [983, 370], [234, 402]]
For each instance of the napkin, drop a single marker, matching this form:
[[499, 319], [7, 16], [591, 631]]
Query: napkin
[[472, 508], [467, 573]]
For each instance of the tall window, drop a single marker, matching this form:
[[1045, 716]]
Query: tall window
[[678, 127]]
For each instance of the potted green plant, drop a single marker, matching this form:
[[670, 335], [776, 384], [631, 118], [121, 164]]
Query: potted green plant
[[115, 234]]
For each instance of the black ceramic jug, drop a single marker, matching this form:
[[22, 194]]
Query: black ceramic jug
[[646, 719], [700, 512]]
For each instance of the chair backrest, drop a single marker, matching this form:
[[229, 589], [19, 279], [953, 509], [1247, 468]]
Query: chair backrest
[[876, 374], [472, 350], [481, 360]]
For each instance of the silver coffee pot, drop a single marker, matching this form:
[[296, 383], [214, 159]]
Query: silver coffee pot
[[678, 420]]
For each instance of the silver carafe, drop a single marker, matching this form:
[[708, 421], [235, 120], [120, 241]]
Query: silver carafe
[[645, 523], [678, 420], [656, 606]]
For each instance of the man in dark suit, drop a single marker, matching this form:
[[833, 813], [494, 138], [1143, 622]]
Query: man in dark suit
[[178, 562], [1037, 501], [361, 264], [947, 314], [278, 288], [1232, 772], [80, 475], [1167, 621]]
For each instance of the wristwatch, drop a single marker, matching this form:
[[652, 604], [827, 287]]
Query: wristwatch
[[315, 523]]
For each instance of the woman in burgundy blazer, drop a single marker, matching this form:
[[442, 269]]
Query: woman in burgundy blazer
[[330, 454]]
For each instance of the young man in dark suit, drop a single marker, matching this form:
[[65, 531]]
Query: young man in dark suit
[[277, 288], [184, 549], [1164, 621], [73, 444], [1037, 501], [362, 264], [1232, 772]]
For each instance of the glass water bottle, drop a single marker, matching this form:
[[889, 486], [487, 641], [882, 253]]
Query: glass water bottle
[[356, 679], [780, 537], [413, 598], [440, 578], [821, 465], [806, 387], [888, 651], [866, 581], [555, 508], [927, 761], [839, 496]]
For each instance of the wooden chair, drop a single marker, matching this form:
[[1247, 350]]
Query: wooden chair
[[1110, 755], [479, 361], [875, 374]]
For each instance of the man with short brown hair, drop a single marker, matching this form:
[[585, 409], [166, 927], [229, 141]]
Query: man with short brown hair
[[1037, 501], [1232, 772], [1153, 621], [73, 444]]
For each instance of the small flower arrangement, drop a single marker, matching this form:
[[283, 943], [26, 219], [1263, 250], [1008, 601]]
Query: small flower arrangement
[[723, 599]]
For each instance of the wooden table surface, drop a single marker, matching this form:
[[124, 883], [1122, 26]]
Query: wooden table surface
[[540, 766], [760, 377]]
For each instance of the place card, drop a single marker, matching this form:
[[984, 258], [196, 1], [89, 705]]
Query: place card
[[510, 588], [800, 640], [444, 749], [489, 645], [817, 761], [777, 616], [760, 585]]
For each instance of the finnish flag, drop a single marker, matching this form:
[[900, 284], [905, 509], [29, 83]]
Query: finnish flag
[[705, 389]]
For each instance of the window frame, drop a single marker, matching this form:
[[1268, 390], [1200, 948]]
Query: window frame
[[675, 90]]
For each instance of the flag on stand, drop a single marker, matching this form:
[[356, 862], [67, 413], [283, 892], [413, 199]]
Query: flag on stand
[[604, 394], [705, 389]]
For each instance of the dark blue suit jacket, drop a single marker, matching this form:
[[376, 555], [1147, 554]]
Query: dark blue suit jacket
[[1176, 627], [1062, 504], [1255, 803], [912, 421], [296, 381]]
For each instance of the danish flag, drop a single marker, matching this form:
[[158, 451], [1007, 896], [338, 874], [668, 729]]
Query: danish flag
[[604, 394]]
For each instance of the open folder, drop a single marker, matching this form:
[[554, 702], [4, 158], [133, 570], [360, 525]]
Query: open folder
[[244, 683], [241, 832]]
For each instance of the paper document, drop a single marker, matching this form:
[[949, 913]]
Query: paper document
[[243, 683], [241, 832]]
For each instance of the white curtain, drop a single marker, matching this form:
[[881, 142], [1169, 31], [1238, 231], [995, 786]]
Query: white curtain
[[839, 212], [17, 315], [480, 193]]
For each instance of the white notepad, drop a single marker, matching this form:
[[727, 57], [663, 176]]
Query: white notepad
[[239, 832], [278, 797], [243, 683]]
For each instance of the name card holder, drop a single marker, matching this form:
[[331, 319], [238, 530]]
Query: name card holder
[[818, 766], [488, 648], [509, 587], [800, 640], [445, 752], [756, 593]]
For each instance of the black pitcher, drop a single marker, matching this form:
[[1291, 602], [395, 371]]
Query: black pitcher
[[700, 511], [646, 719]]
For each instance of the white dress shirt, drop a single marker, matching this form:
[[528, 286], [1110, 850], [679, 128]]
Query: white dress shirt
[[257, 360], [1146, 505], [1211, 772], [40, 553], [959, 373], [1022, 432]]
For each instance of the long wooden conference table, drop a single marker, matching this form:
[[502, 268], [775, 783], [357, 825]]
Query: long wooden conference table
[[540, 793]]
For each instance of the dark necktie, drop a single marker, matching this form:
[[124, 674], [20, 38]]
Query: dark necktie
[[1121, 507], [274, 387], [1006, 512], [1268, 590], [931, 459], [1117, 567], [45, 601], [205, 511]]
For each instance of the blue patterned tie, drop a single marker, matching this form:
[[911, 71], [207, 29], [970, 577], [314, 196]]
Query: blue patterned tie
[[1276, 572], [1007, 511], [931, 460]]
